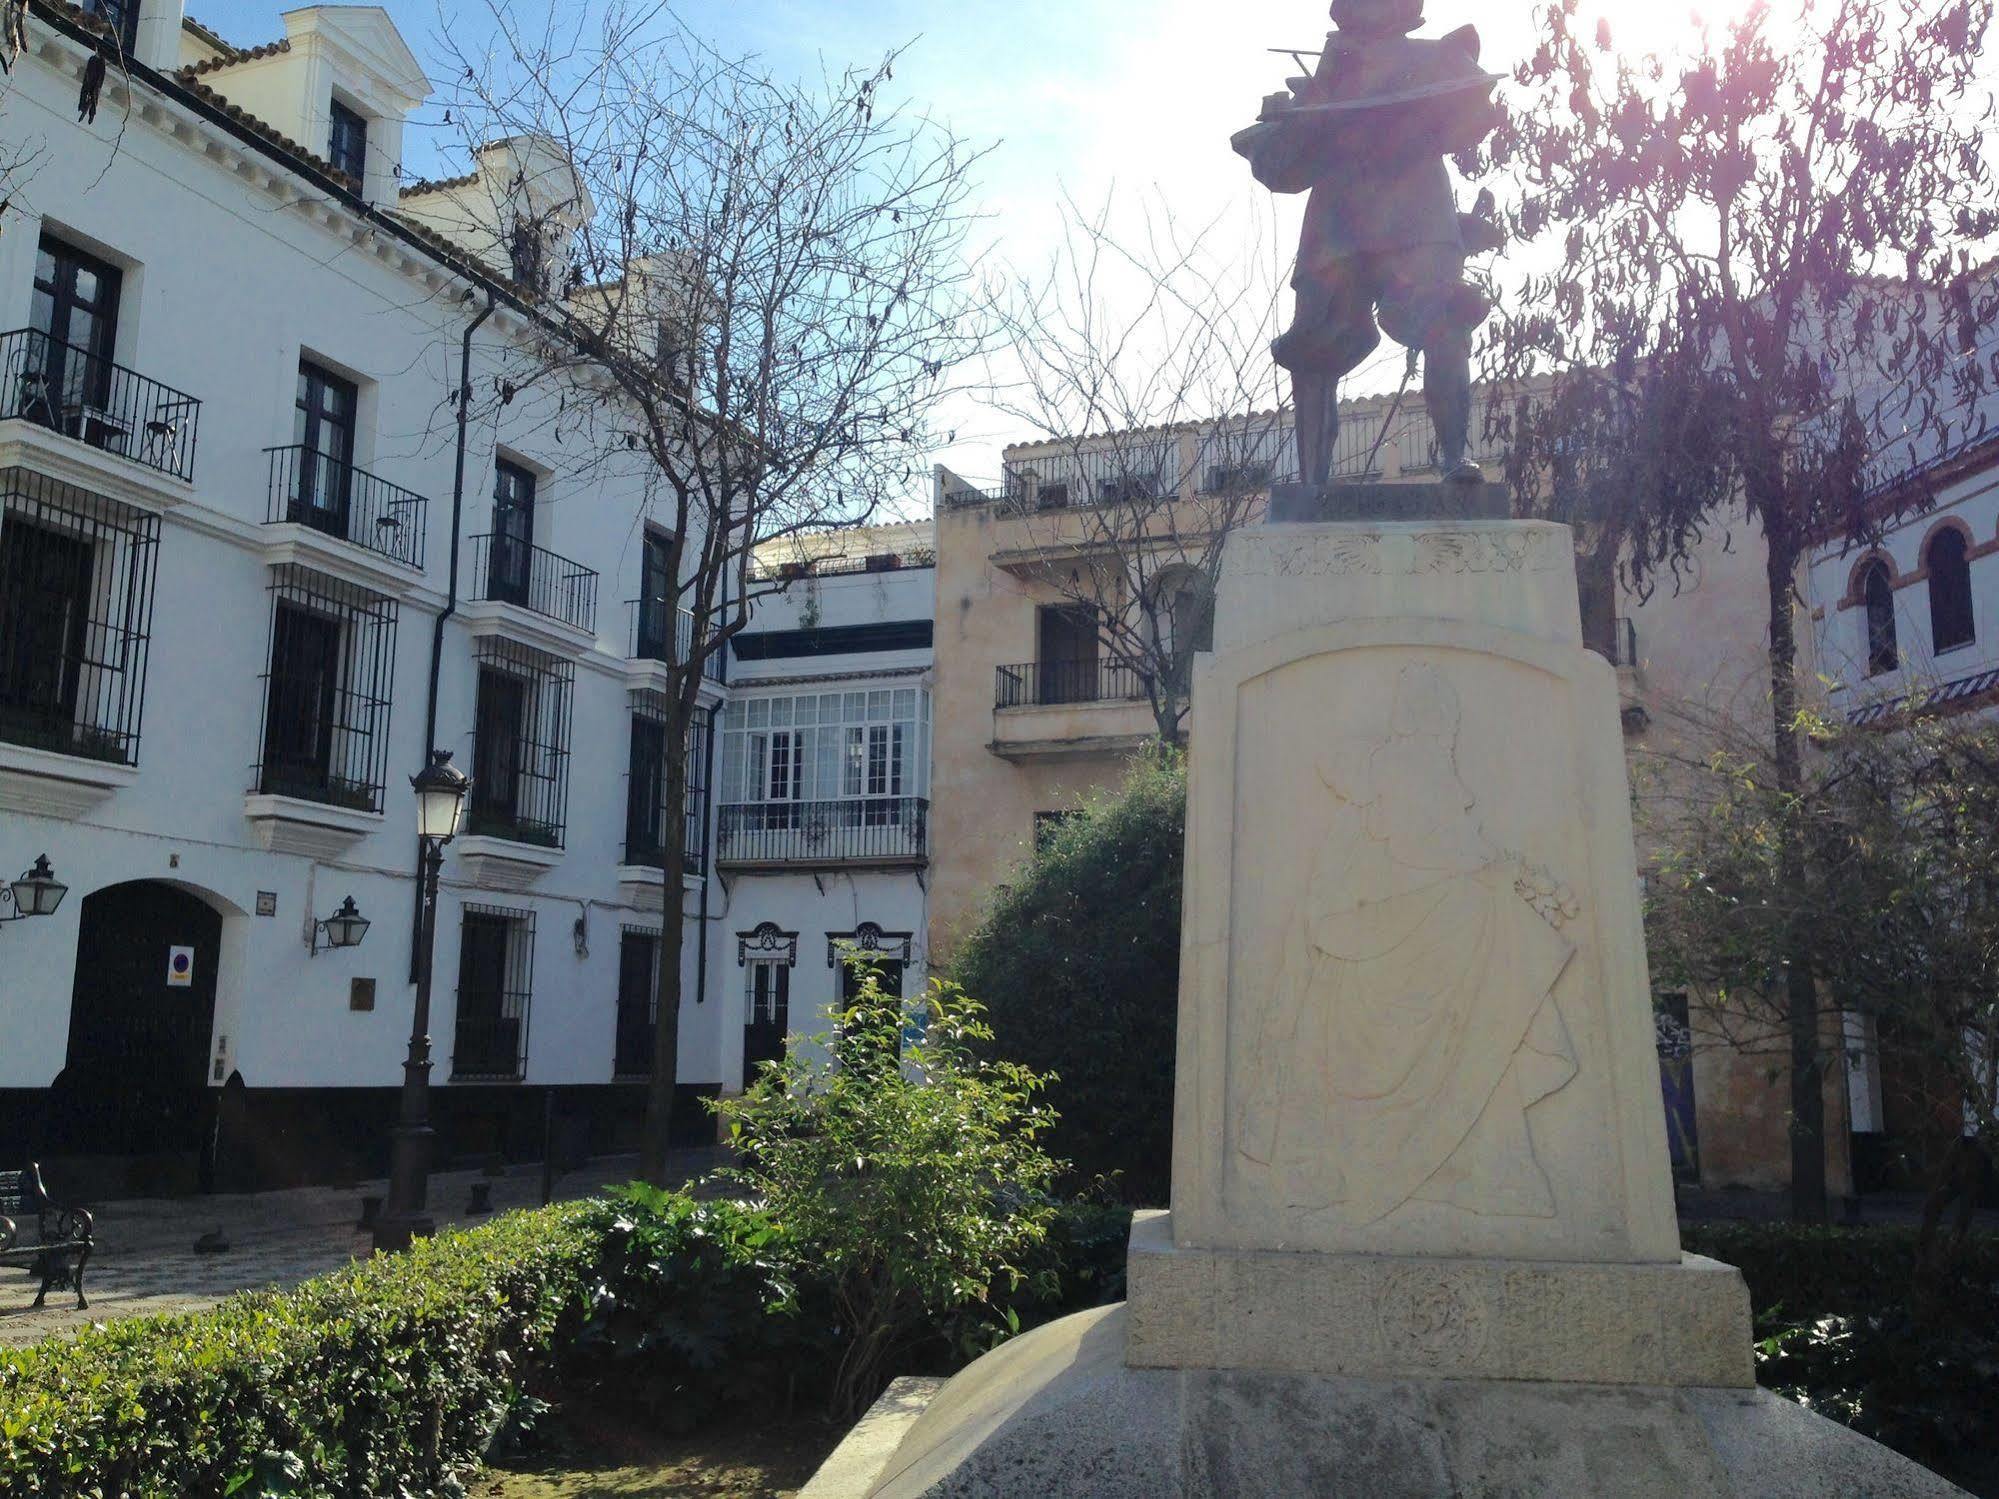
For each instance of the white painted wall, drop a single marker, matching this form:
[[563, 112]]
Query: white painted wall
[[227, 280]]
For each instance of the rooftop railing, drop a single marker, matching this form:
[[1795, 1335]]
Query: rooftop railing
[[111, 408]]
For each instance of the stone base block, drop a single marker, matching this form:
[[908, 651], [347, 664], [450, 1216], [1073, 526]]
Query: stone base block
[[1440, 499], [1389, 1316], [1059, 1414]]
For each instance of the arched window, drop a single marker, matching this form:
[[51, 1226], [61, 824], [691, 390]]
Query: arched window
[[1879, 595], [1950, 590]]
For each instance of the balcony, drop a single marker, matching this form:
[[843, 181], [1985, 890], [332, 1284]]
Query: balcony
[[323, 497], [875, 830], [1058, 709], [532, 579], [102, 405], [646, 637]]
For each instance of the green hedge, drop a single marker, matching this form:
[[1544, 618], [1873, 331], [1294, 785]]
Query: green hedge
[[388, 1376], [376, 1380], [1797, 1273]]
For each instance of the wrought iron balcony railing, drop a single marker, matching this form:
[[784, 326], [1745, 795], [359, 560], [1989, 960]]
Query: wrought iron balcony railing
[[313, 489], [510, 571], [646, 632], [1042, 684], [857, 830], [72, 391]]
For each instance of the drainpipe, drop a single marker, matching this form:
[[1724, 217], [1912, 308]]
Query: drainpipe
[[451, 585]]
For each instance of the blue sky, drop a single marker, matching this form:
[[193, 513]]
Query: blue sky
[[1076, 96]]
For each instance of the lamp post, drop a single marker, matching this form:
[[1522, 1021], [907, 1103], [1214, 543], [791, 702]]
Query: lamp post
[[36, 893], [440, 801]]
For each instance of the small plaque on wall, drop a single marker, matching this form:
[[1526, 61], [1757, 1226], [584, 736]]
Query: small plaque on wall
[[361, 994], [267, 902]]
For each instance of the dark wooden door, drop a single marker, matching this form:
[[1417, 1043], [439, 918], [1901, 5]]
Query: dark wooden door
[[76, 304], [769, 1020], [138, 1042], [500, 724], [512, 565], [301, 702], [323, 428]]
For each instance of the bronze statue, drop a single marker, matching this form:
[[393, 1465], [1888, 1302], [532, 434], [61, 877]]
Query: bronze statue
[[1383, 240]]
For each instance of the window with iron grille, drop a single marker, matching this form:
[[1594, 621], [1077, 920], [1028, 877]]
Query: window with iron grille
[[327, 687], [646, 824], [520, 744], [638, 1001], [76, 611], [347, 144], [495, 984]]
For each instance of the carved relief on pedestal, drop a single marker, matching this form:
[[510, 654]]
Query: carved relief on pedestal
[[1414, 1021], [1402, 552]]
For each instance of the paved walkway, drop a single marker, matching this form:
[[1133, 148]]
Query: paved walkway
[[145, 1261]]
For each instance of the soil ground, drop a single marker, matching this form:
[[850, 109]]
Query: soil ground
[[612, 1458]]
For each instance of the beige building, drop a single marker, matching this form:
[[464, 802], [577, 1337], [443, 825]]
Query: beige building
[[1034, 713]]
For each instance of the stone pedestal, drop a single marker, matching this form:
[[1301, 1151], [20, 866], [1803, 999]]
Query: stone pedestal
[[1422, 1239]]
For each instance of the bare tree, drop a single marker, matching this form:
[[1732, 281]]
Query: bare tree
[[1790, 206], [750, 293], [1144, 364]]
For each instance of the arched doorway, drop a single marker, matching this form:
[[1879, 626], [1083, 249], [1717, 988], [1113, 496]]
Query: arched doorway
[[141, 1016]]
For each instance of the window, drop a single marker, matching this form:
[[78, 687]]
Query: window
[[1048, 824], [646, 825], [323, 431], [779, 751], [495, 979], [65, 374], [638, 1002], [1066, 635], [347, 147], [512, 566], [1950, 591], [327, 691], [657, 595], [520, 744], [1185, 618], [122, 16], [76, 604], [1878, 595]]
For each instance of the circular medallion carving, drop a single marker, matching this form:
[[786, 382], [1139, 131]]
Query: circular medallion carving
[[1432, 1319]]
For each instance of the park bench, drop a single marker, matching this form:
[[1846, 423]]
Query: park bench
[[62, 1246]]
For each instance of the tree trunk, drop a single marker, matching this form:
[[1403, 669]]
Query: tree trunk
[[1800, 997], [656, 1138]]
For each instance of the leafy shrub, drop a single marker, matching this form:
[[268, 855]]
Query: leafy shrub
[[1079, 960], [909, 1177], [694, 1309], [1798, 1273], [376, 1380], [1836, 1332]]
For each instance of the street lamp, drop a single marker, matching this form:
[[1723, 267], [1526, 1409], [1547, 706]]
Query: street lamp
[[440, 802], [344, 928], [36, 893]]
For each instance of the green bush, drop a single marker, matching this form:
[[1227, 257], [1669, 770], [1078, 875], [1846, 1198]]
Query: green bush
[[694, 1309], [909, 1177], [1079, 962], [1836, 1333], [377, 1380], [1798, 1273]]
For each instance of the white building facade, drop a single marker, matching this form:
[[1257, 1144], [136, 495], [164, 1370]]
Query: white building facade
[[229, 467], [822, 786]]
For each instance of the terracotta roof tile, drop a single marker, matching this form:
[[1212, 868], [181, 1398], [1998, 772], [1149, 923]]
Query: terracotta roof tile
[[186, 77], [207, 36], [438, 185], [235, 56]]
